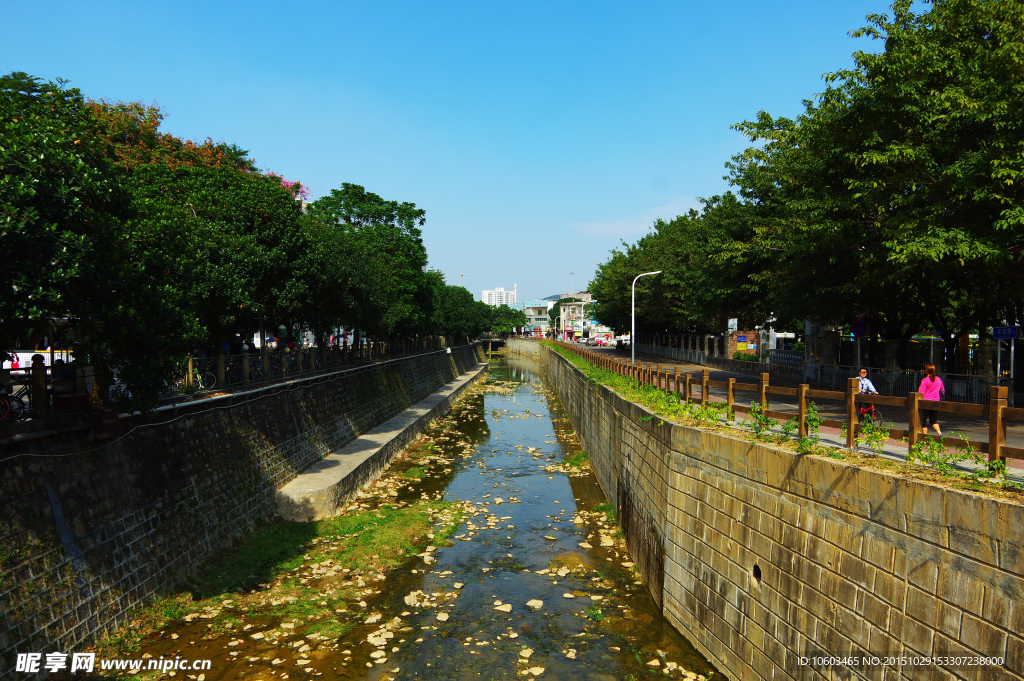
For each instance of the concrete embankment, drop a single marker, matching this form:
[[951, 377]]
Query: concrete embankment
[[767, 559], [322, 489], [93, 530]]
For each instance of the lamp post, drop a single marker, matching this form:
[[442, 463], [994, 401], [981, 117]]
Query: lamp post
[[463, 280], [572, 282], [558, 319], [632, 330]]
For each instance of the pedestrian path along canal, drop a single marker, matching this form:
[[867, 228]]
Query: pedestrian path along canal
[[529, 578]]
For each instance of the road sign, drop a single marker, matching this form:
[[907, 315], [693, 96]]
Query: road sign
[[859, 328], [1005, 332]]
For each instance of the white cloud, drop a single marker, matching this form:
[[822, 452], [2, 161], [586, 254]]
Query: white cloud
[[637, 224]]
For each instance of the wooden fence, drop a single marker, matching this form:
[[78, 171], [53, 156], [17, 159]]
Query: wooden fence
[[695, 387]]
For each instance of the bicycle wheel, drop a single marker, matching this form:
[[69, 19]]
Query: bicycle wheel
[[877, 416], [5, 408], [208, 380], [17, 408]]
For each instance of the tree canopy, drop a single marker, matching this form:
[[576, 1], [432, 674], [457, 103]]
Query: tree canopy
[[897, 192], [151, 246]]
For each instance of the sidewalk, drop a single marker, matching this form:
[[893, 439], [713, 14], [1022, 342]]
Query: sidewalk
[[976, 429]]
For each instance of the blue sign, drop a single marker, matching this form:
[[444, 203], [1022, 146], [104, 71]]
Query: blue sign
[[859, 328], [741, 339], [1005, 332]]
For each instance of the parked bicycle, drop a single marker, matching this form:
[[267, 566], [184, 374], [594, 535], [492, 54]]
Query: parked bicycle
[[11, 406], [869, 411]]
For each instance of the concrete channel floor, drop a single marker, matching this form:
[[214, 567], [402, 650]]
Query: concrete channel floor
[[323, 488], [976, 429]]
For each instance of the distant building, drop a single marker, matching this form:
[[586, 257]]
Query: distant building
[[500, 296], [581, 295], [537, 315], [574, 319]]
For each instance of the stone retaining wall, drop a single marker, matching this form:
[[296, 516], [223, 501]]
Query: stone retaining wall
[[769, 557], [89, 531]]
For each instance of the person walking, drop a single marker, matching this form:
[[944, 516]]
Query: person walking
[[932, 390]]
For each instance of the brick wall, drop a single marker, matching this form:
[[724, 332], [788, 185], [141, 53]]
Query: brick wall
[[91, 530], [852, 562]]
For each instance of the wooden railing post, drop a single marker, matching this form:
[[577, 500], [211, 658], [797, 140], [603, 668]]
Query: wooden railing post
[[688, 389], [221, 365], [705, 376], [190, 375], [996, 425], [852, 387], [245, 367], [801, 405], [284, 357], [914, 418], [38, 395], [675, 379], [265, 356], [762, 390], [730, 393]]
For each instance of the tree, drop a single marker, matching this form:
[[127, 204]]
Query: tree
[[130, 135], [897, 191], [704, 281], [505, 319], [59, 197], [391, 257], [458, 315], [230, 242]]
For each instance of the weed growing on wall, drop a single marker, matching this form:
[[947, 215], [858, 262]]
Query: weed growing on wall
[[927, 456], [873, 436], [761, 424]]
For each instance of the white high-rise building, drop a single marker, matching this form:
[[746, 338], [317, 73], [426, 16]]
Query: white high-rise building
[[500, 296]]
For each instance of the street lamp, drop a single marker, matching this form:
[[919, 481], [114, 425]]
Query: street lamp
[[463, 280], [559, 319], [632, 330], [572, 282]]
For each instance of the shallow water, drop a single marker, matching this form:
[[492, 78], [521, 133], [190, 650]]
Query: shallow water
[[476, 641], [461, 611]]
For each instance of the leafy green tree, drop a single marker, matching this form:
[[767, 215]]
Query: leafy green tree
[[59, 197], [704, 281], [505, 319], [229, 241], [458, 315], [897, 191], [390, 255], [65, 219]]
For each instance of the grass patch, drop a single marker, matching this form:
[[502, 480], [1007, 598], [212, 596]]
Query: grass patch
[[280, 554], [610, 514], [576, 460], [717, 416], [418, 472]]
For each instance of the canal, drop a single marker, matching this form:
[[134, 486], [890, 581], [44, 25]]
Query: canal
[[532, 581]]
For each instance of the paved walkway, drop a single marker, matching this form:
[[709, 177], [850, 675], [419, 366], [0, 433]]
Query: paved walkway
[[975, 428], [322, 489]]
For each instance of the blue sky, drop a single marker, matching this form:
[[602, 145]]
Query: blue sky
[[536, 135]]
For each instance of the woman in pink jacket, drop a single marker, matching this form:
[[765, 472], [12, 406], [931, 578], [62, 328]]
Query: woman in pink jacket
[[931, 390]]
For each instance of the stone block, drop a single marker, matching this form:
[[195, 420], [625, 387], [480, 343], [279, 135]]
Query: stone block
[[957, 587], [981, 636]]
